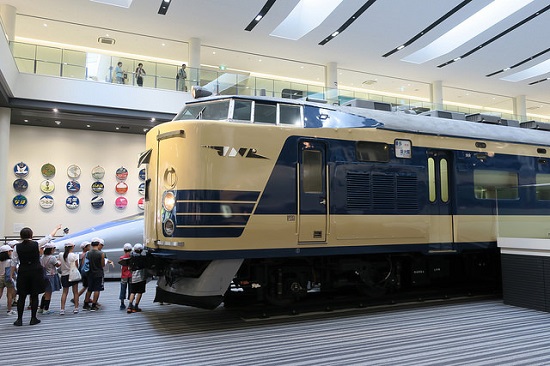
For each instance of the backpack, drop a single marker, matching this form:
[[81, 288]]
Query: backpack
[[86, 265]]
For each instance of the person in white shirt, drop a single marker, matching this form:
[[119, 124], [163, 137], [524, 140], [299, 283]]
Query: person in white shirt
[[69, 260]]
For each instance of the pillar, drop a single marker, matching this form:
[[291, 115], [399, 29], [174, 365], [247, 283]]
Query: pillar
[[194, 61], [5, 117], [436, 89], [331, 82], [7, 13], [520, 108]]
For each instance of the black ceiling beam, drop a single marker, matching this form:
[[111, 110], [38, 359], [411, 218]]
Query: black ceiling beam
[[348, 22], [260, 15], [428, 28], [519, 63]]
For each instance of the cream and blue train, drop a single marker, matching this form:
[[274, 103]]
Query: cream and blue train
[[276, 197]]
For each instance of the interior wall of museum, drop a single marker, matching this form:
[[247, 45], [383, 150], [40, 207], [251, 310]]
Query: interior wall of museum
[[36, 146]]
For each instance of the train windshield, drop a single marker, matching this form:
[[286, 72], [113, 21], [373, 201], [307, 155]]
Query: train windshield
[[217, 110]]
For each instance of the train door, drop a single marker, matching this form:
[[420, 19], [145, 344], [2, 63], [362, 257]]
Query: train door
[[439, 189], [312, 202]]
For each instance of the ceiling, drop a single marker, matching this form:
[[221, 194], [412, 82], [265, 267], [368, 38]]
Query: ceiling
[[360, 48]]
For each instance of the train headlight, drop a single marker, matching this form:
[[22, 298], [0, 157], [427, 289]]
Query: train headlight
[[169, 201], [169, 227]]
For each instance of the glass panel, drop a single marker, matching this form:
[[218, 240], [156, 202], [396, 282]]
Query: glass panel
[[372, 151], [242, 110], [312, 178], [213, 111], [23, 50], [431, 179], [46, 68], [486, 183], [25, 65], [76, 72], [265, 113], [74, 57], [543, 187], [444, 177], [48, 54], [290, 115]]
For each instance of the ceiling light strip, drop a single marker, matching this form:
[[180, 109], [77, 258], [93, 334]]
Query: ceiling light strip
[[466, 30], [538, 69], [503, 33], [348, 22], [428, 28], [520, 63], [164, 4], [539, 81], [305, 17], [260, 15]]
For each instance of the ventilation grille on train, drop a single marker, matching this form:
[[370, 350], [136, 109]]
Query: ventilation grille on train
[[106, 40], [381, 192]]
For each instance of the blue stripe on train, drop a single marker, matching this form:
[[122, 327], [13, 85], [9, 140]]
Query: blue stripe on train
[[198, 220], [214, 207]]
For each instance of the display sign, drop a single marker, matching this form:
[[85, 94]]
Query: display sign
[[142, 174], [73, 171], [48, 170], [73, 186], [141, 188], [141, 203], [121, 203], [47, 186], [19, 201], [98, 172], [46, 201], [20, 185], [97, 187], [97, 202], [72, 202], [21, 170], [121, 188], [122, 173], [403, 149]]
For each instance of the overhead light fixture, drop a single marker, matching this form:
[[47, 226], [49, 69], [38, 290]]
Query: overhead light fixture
[[520, 63], [348, 22], [468, 29], [539, 81], [428, 28], [58, 122], [120, 3], [501, 34], [260, 15], [164, 4], [305, 17]]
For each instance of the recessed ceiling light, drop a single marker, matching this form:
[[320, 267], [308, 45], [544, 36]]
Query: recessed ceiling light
[[466, 30], [55, 110], [117, 128], [88, 126], [25, 120], [45, 25], [260, 15], [58, 122]]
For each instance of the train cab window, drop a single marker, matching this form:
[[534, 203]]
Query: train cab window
[[312, 171], [290, 115], [372, 151], [265, 113], [495, 184], [242, 110], [218, 110], [543, 187]]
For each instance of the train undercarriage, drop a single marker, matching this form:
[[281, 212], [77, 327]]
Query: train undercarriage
[[286, 281]]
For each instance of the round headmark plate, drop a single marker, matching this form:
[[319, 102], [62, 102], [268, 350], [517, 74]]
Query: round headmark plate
[[141, 188], [73, 171], [46, 201], [121, 203], [121, 173], [97, 187], [48, 170], [73, 186], [121, 188], [97, 202], [141, 203], [20, 185], [47, 186], [98, 172], [142, 174], [19, 201], [21, 169], [72, 202]]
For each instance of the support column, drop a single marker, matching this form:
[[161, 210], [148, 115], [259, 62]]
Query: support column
[[436, 91], [5, 117], [7, 13], [194, 61], [520, 108], [331, 82]]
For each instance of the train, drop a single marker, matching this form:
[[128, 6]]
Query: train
[[275, 199]]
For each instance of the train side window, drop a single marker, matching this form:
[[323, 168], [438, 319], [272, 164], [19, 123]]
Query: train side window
[[372, 151], [431, 179], [312, 171], [543, 187], [444, 180], [290, 115], [265, 113], [495, 184], [242, 110]]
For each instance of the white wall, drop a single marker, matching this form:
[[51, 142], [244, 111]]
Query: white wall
[[37, 146]]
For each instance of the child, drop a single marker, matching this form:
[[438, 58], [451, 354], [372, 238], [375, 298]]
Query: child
[[50, 264], [125, 275], [6, 278], [138, 282]]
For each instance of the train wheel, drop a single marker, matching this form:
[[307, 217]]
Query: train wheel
[[375, 277]]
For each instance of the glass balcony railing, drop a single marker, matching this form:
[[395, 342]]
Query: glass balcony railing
[[99, 67]]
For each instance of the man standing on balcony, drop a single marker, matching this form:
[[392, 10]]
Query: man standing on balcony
[[181, 76], [119, 73]]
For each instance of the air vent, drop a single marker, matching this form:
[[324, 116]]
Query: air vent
[[106, 40]]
